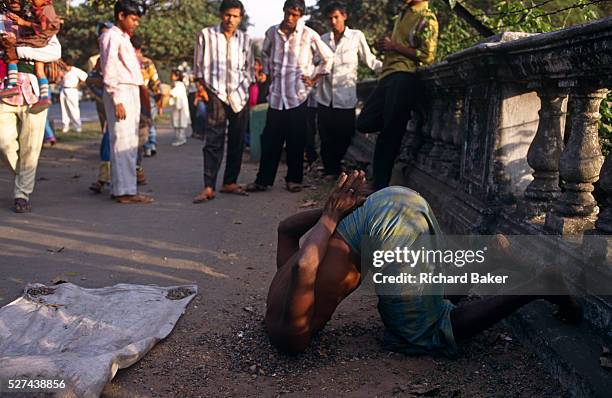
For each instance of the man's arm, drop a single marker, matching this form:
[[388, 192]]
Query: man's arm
[[323, 57], [109, 58], [266, 52], [426, 38], [297, 309], [366, 56], [198, 56]]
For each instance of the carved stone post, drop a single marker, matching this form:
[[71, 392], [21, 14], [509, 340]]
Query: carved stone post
[[545, 152], [451, 157], [580, 165], [437, 126]]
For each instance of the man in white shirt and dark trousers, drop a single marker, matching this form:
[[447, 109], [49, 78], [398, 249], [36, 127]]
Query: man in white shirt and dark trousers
[[289, 51], [337, 92]]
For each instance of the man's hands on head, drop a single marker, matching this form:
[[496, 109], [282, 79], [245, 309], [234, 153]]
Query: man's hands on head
[[120, 112], [346, 196]]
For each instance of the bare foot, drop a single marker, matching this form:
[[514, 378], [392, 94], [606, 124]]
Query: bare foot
[[207, 194]]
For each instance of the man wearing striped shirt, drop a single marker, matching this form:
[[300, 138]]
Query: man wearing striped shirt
[[224, 62], [289, 51]]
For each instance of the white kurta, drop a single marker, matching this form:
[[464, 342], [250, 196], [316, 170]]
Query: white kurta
[[180, 106], [69, 98]]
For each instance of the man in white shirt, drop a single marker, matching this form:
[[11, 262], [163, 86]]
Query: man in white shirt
[[289, 53], [337, 92], [69, 97]]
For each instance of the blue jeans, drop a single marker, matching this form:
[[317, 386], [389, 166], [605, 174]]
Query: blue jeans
[[49, 134], [201, 115], [152, 141]]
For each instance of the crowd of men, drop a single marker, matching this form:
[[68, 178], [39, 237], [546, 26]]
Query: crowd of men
[[305, 73]]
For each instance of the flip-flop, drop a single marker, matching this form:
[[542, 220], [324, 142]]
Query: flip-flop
[[294, 188], [22, 206], [96, 187], [256, 188], [134, 199], [201, 199], [239, 191]]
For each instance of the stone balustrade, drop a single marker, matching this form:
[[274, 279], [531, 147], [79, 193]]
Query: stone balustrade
[[512, 129]]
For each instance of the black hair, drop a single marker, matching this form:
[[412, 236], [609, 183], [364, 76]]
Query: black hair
[[137, 42], [335, 6], [103, 25], [228, 4], [129, 7], [299, 4], [316, 26], [178, 74]]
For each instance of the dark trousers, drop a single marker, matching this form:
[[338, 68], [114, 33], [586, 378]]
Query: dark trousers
[[222, 118], [387, 111], [283, 126], [311, 145], [336, 129]]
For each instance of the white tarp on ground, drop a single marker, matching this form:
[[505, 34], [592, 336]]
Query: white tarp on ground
[[84, 336]]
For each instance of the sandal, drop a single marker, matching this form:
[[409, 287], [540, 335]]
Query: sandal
[[22, 206], [204, 196], [254, 187], [134, 199], [234, 189], [97, 187], [293, 187]]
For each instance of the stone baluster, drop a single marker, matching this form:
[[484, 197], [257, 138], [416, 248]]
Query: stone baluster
[[451, 157], [426, 133], [580, 165], [435, 154], [545, 152]]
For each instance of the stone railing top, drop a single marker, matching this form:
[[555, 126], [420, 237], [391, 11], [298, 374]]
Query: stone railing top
[[515, 41], [582, 52]]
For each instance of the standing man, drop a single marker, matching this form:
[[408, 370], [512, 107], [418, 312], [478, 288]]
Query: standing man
[[412, 44], [22, 132], [223, 61], [153, 85], [122, 78], [73, 79], [337, 92], [288, 53]]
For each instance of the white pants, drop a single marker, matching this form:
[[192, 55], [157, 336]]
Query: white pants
[[123, 139], [69, 101], [21, 137], [179, 134]]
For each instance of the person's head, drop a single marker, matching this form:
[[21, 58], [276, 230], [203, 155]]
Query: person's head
[[14, 5], [103, 27], [294, 10], [138, 45], [127, 15], [231, 12], [337, 16], [40, 3], [176, 75], [258, 65]]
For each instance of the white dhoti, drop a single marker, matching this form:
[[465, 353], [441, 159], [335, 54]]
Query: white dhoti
[[123, 139], [69, 101]]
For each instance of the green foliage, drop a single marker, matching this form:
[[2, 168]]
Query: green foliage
[[169, 29]]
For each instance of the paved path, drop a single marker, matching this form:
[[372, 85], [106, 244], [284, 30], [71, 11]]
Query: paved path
[[227, 248]]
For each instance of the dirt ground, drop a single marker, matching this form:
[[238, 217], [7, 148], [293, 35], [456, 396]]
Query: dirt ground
[[227, 248]]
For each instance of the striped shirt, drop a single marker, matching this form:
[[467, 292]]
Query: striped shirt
[[225, 66], [287, 58]]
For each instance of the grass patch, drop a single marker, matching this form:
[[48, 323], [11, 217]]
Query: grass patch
[[91, 131]]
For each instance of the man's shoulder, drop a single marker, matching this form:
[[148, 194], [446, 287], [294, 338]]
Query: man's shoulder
[[429, 14]]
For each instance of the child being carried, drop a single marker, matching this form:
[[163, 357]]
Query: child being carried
[[37, 33]]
